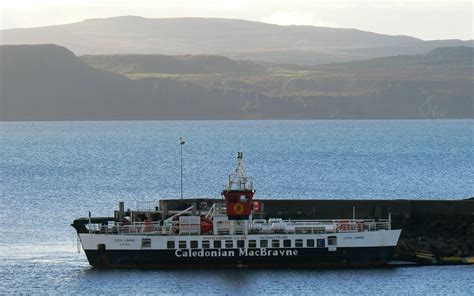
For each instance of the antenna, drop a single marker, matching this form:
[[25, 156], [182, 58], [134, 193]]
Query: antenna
[[238, 178], [181, 143]]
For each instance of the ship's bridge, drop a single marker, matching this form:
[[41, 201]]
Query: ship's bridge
[[238, 193]]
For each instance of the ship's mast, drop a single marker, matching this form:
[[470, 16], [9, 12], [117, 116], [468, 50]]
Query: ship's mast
[[238, 193], [238, 180], [181, 143]]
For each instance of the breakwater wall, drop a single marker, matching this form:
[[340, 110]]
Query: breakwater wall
[[438, 227]]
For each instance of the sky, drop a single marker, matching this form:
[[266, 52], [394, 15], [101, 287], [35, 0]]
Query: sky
[[425, 19]]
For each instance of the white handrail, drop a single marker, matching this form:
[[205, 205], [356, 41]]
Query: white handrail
[[179, 214], [169, 227], [211, 212]]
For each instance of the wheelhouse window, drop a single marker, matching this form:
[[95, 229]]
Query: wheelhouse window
[[205, 244], [229, 244], [263, 243], [170, 244], [275, 243], [332, 240], [310, 243], [287, 243], [146, 242], [252, 243], [298, 243], [217, 244], [194, 244], [182, 244], [240, 243]]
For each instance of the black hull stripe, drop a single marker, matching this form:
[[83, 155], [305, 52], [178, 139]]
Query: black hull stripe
[[251, 266], [306, 258]]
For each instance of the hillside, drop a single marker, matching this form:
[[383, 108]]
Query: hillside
[[239, 39], [442, 77], [48, 82], [453, 64], [189, 64]]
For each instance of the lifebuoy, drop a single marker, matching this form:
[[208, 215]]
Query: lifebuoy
[[238, 208]]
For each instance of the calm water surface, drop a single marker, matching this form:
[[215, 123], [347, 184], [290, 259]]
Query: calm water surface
[[51, 173]]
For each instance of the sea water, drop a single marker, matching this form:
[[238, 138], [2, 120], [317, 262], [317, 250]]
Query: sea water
[[54, 172]]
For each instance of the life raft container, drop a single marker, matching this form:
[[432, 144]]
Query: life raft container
[[206, 225]]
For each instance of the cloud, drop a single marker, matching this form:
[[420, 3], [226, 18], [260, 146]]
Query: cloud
[[296, 18]]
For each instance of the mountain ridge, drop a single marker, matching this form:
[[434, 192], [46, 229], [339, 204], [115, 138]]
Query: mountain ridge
[[240, 39]]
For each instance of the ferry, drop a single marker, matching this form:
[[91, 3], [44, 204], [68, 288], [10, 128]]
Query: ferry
[[231, 233]]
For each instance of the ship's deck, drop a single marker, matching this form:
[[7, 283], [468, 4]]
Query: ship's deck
[[256, 226]]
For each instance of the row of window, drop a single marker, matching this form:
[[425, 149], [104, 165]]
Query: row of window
[[275, 243]]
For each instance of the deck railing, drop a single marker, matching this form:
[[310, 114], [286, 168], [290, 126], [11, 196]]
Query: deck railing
[[155, 228], [150, 205], [255, 227]]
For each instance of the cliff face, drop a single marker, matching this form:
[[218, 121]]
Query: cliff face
[[434, 85], [48, 82]]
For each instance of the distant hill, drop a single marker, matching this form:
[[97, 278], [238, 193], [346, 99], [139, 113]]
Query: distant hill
[[48, 82], [244, 40], [461, 55]]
